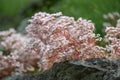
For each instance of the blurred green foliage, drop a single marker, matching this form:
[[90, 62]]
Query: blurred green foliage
[[14, 11], [8, 12], [11, 7]]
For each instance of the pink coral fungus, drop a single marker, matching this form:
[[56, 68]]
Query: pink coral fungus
[[61, 37], [53, 38]]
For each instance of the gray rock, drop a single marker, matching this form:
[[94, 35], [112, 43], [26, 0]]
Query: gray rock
[[91, 69]]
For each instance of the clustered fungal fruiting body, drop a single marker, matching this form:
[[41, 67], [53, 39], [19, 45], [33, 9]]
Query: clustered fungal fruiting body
[[60, 37], [17, 59], [54, 38]]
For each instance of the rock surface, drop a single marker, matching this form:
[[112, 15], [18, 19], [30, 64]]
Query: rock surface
[[91, 69]]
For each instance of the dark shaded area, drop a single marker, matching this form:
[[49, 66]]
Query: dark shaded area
[[91, 69]]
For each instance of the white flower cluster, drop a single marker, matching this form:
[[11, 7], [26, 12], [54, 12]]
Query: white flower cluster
[[17, 60], [113, 36], [112, 33], [58, 38], [110, 19], [53, 38]]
